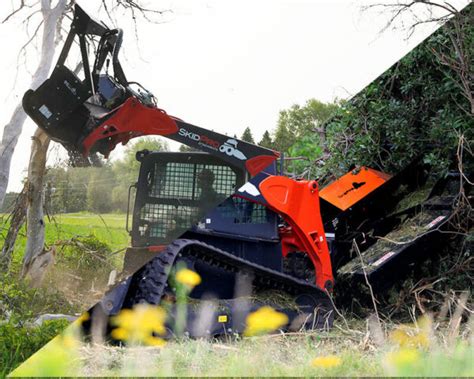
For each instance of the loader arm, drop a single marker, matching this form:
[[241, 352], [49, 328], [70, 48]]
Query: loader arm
[[93, 114]]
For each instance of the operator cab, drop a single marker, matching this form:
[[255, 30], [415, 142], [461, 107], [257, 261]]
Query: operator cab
[[176, 190]]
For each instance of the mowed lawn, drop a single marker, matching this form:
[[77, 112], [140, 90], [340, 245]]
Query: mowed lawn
[[108, 228]]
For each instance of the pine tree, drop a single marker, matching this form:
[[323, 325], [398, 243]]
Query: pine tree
[[247, 136], [266, 140], [283, 138]]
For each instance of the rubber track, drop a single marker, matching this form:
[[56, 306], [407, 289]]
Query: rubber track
[[151, 281]]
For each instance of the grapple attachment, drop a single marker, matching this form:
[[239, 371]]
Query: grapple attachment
[[68, 107]]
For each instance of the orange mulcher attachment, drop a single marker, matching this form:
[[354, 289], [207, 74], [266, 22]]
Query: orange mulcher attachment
[[353, 187], [354, 206]]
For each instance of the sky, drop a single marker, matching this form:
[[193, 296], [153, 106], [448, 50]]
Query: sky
[[227, 65]]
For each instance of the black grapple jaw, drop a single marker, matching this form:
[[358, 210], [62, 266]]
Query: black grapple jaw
[[67, 107]]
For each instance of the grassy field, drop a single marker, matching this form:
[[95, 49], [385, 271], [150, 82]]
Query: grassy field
[[339, 352], [108, 228], [85, 255]]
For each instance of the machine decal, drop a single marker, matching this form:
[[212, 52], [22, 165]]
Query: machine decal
[[230, 148], [382, 259], [250, 189], [45, 111], [437, 220]]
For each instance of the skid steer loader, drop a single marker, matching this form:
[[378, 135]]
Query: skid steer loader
[[227, 212]]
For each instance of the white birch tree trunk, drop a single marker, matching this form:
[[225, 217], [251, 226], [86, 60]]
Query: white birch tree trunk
[[35, 194], [13, 128]]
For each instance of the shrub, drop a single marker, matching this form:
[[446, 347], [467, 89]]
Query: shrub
[[20, 342]]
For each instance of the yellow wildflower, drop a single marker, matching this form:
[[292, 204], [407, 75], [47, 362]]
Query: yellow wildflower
[[188, 277], [327, 361], [264, 320], [413, 336], [403, 357], [154, 341], [120, 334], [139, 324]]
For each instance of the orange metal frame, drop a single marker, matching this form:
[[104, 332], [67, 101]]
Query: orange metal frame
[[298, 203]]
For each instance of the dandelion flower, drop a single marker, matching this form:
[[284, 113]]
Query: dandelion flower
[[139, 324], [264, 320], [403, 357], [154, 341], [327, 361], [413, 336], [188, 277], [120, 334]]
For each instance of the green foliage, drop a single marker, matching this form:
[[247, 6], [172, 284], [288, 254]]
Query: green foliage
[[19, 306], [418, 106], [308, 147], [414, 107], [301, 133], [86, 254], [19, 342], [266, 140], [302, 120], [19, 302], [247, 136]]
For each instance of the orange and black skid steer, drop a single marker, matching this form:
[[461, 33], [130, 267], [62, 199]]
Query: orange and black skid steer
[[226, 212]]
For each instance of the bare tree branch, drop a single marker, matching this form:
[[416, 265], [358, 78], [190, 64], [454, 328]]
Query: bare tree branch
[[456, 55], [19, 9]]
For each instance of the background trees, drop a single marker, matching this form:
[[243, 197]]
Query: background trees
[[98, 190], [266, 140], [301, 135]]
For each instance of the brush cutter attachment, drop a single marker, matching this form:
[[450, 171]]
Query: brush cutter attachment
[[408, 236]]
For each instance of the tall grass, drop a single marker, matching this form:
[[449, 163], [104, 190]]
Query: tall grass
[[70, 286], [269, 355]]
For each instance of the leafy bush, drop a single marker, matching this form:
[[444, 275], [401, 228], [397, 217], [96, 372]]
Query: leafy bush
[[85, 254], [414, 107], [20, 303]]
